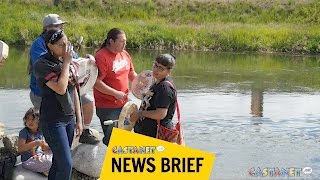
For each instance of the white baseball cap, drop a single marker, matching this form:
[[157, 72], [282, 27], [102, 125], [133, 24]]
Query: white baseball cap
[[52, 19]]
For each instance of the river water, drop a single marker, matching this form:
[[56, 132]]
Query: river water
[[252, 111]]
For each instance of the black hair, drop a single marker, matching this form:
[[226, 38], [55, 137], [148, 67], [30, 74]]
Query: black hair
[[167, 60], [112, 34], [33, 112], [52, 36]]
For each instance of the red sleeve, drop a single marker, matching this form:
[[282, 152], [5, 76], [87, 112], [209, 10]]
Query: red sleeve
[[101, 64]]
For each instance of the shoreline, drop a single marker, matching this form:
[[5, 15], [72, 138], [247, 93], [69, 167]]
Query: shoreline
[[263, 27]]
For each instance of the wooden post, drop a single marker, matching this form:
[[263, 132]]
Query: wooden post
[[257, 99]]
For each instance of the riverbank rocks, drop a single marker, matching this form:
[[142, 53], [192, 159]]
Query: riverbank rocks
[[76, 175], [10, 142], [7, 162], [20, 173], [1, 130], [88, 159]]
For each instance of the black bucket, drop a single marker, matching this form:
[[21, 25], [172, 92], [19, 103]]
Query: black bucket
[[7, 162]]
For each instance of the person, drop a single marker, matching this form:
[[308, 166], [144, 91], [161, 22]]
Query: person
[[60, 114], [112, 85], [159, 103], [38, 48], [35, 152]]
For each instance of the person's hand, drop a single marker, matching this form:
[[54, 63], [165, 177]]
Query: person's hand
[[78, 129], [120, 96], [45, 146], [134, 117], [67, 56], [39, 142]]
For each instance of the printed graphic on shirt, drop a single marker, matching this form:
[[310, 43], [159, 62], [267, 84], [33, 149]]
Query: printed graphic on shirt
[[145, 102], [119, 64]]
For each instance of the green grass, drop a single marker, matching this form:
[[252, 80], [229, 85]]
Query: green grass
[[286, 26]]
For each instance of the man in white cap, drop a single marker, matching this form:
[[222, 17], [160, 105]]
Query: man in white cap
[[38, 48], [52, 20]]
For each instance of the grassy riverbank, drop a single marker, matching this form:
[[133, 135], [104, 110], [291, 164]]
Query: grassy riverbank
[[290, 26]]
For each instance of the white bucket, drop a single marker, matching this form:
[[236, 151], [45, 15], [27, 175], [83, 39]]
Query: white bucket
[[87, 74], [4, 50]]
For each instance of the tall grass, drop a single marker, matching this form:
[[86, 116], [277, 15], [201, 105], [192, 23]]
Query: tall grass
[[219, 25]]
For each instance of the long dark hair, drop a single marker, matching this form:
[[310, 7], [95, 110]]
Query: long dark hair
[[112, 34]]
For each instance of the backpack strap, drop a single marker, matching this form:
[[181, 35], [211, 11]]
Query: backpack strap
[[75, 77]]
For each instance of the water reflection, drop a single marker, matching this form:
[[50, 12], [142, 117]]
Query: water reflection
[[257, 99], [252, 110]]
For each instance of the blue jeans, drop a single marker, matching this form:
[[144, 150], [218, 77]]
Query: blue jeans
[[59, 136], [108, 114]]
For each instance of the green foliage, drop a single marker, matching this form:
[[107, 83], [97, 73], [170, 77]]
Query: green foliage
[[243, 25]]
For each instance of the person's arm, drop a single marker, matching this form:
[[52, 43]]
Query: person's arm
[[132, 75], [79, 126], [162, 103], [45, 146], [159, 113], [23, 146], [105, 89], [37, 49], [60, 86]]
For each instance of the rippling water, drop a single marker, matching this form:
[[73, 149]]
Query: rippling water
[[288, 134], [253, 111]]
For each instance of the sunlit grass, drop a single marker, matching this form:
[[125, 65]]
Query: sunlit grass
[[288, 26]]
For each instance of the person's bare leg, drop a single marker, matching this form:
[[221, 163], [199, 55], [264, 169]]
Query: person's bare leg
[[87, 112]]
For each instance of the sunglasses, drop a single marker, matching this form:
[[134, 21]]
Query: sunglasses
[[159, 67], [56, 36]]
